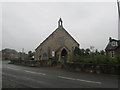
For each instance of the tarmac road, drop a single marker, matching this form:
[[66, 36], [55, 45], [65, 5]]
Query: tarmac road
[[16, 76]]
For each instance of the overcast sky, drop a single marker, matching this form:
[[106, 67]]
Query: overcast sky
[[26, 25]]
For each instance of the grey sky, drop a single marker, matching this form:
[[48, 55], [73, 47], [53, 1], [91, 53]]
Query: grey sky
[[26, 25], [0, 26]]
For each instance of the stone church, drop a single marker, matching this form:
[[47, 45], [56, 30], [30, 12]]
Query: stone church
[[57, 45]]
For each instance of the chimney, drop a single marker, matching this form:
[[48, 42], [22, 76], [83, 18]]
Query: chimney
[[110, 39]]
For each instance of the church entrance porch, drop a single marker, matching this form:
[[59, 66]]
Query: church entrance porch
[[63, 56], [63, 53]]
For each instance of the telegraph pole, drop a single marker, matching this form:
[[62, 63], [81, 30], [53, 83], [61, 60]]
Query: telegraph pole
[[118, 5]]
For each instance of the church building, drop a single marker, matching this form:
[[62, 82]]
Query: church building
[[57, 45]]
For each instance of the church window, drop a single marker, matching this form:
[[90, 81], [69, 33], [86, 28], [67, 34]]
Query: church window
[[61, 40], [45, 55], [53, 53]]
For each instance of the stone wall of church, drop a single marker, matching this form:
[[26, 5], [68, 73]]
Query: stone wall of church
[[58, 39]]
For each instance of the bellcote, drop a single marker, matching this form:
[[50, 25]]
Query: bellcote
[[60, 23]]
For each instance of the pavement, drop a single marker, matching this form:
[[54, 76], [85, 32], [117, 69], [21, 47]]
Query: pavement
[[16, 76]]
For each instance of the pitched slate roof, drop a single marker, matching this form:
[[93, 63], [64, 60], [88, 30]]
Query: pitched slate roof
[[110, 47]]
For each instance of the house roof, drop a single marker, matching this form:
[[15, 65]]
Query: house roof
[[110, 47], [60, 27]]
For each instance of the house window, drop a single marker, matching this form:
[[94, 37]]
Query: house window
[[112, 53], [114, 43]]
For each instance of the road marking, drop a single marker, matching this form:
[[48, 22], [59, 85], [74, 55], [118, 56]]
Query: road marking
[[9, 75], [12, 68], [27, 71], [79, 80], [34, 72]]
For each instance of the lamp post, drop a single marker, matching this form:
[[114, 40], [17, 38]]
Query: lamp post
[[118, 6]]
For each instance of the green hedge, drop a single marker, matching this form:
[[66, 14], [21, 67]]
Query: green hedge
[[96, 59]]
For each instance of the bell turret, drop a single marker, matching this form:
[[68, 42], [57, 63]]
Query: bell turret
[[60, 23]]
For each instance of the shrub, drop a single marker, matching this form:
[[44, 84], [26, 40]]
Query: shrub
[[96, 59], [69, 58], [100, 59], [114, 60]]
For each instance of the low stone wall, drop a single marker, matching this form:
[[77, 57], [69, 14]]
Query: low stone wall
[[92, 68], [32, 62], [72, 66]]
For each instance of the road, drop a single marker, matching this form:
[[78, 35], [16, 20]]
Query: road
[[0, 74], [16, 76]]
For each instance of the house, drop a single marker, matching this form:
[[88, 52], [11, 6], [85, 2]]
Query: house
[[113, 47], [8, 54], [57, 45]]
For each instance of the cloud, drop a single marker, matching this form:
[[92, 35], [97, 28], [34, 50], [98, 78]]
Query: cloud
[[26, 25]]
